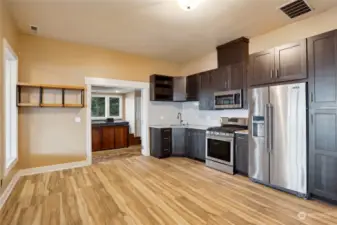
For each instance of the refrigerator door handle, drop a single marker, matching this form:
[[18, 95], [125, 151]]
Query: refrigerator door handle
[[271, 126], [266, 127]]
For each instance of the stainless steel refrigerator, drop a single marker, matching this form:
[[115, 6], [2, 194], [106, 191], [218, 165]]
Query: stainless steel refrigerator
[[278, 137]]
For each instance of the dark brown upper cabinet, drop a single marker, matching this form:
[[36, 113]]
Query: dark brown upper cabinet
[[237, 76], [179, 89], [161, 88], [233, 52], [261, 66], [284, 63], [219, 79], [192, 87], [322, 66], [206, 92], [291, 61]]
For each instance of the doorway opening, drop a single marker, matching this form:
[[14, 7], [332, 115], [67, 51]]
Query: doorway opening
[[117, 118]]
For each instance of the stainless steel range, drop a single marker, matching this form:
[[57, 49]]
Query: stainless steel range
[[220, 144]]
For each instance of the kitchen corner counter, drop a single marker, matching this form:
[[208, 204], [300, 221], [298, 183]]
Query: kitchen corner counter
[[197, 127]]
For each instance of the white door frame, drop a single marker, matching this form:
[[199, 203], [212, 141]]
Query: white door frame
[[10, 137], [145, 90]]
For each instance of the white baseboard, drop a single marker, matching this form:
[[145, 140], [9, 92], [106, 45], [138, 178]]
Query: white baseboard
[[58, 167], [9, 189], [37, 170]]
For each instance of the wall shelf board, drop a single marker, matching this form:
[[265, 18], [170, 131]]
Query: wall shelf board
[[43, 88]]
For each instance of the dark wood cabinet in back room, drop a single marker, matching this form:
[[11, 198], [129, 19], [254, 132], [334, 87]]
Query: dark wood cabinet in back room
[[284, 63], [322, 68], [109, 137]]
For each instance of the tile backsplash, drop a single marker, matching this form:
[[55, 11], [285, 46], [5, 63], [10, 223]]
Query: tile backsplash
[[164, 113], [193, 115]]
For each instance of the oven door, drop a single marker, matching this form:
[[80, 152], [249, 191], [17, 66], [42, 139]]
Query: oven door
[[220, 149]]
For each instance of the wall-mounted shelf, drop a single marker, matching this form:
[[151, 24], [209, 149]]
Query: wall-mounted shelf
[[42, 88]]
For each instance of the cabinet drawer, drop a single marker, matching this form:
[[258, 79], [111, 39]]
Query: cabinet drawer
[[166, 133]]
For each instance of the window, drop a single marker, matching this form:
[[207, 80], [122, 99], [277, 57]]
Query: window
[[11, 111], [103, 107]]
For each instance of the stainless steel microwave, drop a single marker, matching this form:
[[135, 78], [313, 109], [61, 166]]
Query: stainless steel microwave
[[228, 99]]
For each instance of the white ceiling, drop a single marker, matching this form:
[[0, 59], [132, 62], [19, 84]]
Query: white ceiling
[[155, 28], [112, 90]]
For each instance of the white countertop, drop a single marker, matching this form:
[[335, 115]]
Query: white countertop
[[190, 126]]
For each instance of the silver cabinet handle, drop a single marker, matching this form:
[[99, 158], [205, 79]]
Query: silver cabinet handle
[[277, 75], [312, 97]]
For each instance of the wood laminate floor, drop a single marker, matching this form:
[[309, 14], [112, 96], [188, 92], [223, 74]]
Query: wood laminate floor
[[107, 155], [145, 190]]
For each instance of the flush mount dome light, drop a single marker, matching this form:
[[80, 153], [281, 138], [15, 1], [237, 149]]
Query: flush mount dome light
[[189, 5]]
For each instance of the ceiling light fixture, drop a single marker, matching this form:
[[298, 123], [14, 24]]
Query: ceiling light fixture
[[189, 5]]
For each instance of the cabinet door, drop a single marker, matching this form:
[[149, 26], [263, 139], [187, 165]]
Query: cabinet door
[[291, 61], [189, 143], [241, 154], [323, 153], [219, 79], [179, 89], [121, 137], [201, 140], [192, 87], [96, 140], [178, 142], [108, 137], [236, 76], [205, 92], [261, 67], [322, 60]]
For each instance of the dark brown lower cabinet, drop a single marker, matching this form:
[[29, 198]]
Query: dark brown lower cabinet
[[323, 153], [195, 144], [241, 154], [109, 137], [178, 142], [160, 142]]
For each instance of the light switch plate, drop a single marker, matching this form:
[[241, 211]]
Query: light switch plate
[[77, 119]]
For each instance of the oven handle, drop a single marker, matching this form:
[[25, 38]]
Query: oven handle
[[229, 139]]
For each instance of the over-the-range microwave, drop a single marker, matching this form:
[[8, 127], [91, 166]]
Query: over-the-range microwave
[[228, 99]]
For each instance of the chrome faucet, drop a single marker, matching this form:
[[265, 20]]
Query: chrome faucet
[[179, 118]]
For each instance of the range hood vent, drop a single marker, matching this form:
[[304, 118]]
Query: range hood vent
[[296, 8]]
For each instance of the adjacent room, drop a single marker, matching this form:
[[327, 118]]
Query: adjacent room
[[173, 112], [116, 123]]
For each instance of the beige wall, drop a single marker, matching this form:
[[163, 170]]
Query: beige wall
[[320, 23], [50, 136], [7, 30]]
